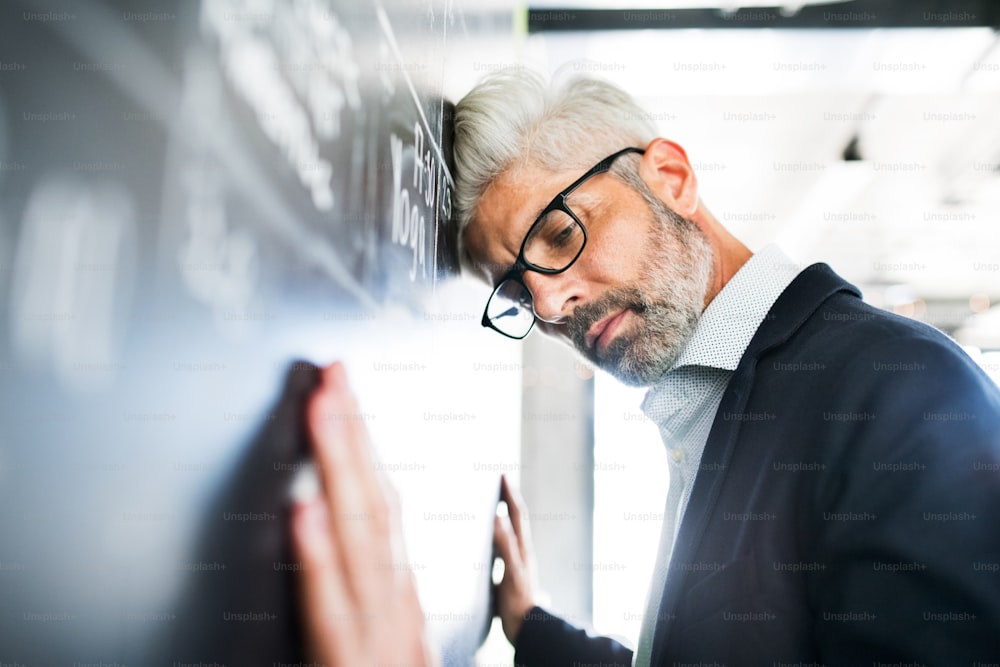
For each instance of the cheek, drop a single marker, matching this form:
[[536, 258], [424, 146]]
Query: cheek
[[618, 250], [555, 331]]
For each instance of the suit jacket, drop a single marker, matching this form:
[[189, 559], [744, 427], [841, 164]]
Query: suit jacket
[[847, 506]]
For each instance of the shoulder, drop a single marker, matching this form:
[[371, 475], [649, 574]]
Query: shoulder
[[887, 350], [866, 383], [853, 338]]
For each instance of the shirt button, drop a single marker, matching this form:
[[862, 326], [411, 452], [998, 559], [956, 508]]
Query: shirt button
[[677, 455]]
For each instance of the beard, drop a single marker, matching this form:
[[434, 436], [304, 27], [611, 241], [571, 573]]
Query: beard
[[666, 305]]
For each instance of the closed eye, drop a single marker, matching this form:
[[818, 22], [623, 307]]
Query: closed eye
[[566, 236]]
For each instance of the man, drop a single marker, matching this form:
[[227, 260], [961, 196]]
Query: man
[[834, 496]]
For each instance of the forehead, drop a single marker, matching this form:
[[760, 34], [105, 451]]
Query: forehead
[[505, 212]]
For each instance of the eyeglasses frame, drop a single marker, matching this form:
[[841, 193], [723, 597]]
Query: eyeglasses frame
[[558, 203]]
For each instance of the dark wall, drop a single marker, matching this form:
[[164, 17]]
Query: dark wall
[[199, 202]]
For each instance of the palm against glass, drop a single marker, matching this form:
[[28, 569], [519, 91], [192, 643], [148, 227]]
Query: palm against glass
[[553, 242]]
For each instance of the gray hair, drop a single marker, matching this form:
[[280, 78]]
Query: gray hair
[[516, 118]]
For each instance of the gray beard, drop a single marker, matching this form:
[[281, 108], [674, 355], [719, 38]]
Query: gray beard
[[668, 302]]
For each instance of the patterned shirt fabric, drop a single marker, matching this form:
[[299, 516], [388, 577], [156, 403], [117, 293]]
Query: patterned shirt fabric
[[683, 404]]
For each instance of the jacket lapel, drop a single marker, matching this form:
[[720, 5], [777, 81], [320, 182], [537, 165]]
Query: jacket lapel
[[795, 305]]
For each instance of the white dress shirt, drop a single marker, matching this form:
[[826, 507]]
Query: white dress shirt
[[683, 404]]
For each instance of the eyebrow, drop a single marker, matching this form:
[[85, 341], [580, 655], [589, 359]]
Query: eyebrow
[[585, 197], [539, 211]]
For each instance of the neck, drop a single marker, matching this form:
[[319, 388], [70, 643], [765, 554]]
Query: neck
[[729, 254]]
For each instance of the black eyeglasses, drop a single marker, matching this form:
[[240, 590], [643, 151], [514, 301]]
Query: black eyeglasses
[[553, 242]]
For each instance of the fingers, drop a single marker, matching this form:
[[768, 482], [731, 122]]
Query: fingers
[[506, 543], [515, 510], [359, 606], [359, 516], [321, 585], [515, 596], [507, 605]]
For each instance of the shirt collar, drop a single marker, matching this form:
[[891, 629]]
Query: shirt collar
[[726, 327]]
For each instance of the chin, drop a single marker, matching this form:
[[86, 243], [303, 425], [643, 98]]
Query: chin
[[642, 359], [645, 376]]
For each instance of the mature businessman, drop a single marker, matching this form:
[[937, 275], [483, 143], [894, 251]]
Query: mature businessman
[[834, 496]]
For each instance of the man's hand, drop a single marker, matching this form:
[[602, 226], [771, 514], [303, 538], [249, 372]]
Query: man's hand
[[358, 599], [516, 591]]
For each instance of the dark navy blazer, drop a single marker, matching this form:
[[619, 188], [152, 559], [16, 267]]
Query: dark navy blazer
[[847, 506]]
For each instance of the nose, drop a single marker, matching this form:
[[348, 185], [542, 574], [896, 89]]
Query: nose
[[553, 296]]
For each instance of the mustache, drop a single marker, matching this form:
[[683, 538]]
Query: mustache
[[586, 315]]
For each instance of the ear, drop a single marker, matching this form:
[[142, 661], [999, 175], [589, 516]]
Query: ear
[[668, 173]]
